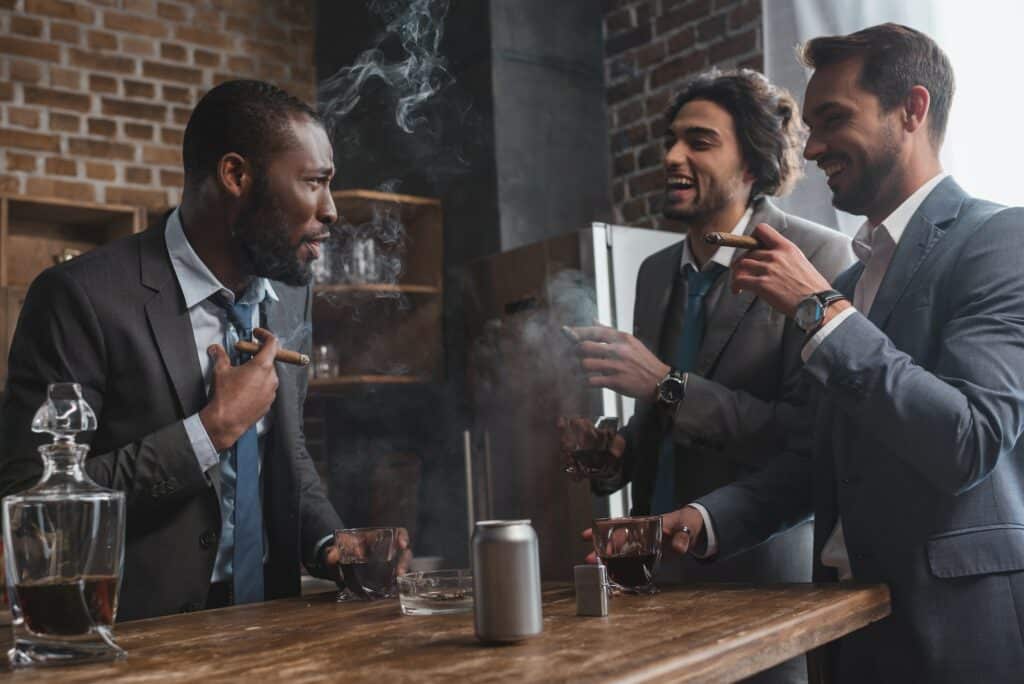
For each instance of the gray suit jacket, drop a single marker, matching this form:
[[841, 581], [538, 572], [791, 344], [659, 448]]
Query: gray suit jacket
[[916, 444], [114, 320], [742, 398]]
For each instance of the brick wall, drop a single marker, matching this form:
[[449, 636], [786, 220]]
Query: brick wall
[[651, 46], [95, 95]]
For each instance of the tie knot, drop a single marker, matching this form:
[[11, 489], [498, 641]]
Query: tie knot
[[239, 314], [698, 283]]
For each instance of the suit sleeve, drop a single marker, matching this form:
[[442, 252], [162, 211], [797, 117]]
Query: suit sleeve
[[59, 339], [954, 422], [715, 415]]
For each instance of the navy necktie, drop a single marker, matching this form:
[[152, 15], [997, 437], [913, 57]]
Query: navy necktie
[[684, 357], [247, 557]]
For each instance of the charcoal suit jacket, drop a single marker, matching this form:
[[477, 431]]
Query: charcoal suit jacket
[[916, 446], [742, 399], [114, 320]]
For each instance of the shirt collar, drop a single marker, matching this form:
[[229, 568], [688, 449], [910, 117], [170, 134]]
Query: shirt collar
[[896, 223], [723, 255], [196, 280]]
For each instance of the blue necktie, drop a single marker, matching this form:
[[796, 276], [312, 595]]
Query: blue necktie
[[698, 284], [247, 558]]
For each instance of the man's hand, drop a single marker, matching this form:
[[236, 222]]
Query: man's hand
[[241, 395], [683, 528], [779, 273], [619, 362], [603, 448]]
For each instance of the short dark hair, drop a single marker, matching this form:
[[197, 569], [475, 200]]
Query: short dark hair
[[767, 120], [896, 58], [250, 118]]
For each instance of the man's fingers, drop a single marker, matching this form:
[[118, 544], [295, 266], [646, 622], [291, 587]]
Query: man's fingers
[[270, 346], [607, 381], [681, 542], [221, 360], [599, 365], [587, 534], [597, 333], [768, 236], [595, 350], [591, 558]]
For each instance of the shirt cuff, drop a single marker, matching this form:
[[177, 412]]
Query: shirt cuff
[[709, 531], [202, 445], [826, 330]]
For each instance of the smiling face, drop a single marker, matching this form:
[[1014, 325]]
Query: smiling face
[[852, 140], [289, 209], [704, 168]]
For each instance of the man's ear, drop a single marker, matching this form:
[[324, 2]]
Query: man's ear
[[234, 174], [916, 108]]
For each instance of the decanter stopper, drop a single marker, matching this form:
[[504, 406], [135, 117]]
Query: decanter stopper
[[65, 413]]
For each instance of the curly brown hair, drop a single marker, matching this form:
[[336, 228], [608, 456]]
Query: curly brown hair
[[767, 120]]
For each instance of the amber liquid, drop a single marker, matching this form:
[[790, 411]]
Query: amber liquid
[[631, 571], [68, 607], [370, 580]]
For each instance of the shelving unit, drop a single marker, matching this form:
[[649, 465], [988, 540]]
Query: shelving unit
[[35, 232]]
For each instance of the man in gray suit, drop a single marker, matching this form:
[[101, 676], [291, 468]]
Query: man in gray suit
[[916, 470], [722, 407], [210, 455]]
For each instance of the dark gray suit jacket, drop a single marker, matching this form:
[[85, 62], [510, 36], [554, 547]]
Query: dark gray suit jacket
[[741, 400], [114, 320], [920, 410]]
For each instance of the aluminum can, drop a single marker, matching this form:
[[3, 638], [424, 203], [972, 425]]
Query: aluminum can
[[506, 581]]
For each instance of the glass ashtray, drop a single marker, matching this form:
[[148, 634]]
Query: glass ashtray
[[436, 592]]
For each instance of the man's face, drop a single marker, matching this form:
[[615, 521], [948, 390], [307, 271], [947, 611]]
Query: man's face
[[287, 214], [852, 139], [704, 168]]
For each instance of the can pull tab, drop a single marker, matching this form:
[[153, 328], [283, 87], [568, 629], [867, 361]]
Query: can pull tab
[[591, 590]]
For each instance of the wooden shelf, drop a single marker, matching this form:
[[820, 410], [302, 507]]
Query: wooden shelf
[[376, 288], [349, 380]]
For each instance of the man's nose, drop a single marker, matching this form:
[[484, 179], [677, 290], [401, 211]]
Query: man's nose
[[814, 148], [327, 213]]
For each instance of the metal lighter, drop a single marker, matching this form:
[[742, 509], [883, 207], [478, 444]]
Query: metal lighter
[[591, 590]]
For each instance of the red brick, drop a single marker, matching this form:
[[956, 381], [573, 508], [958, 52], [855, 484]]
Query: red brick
[[625, 90], [650, 54], [199, 36], [11, 184], [90, 60], [621, 20], [678, 69], [238, 25], [627, 114], [302, 73], [102, 127], [172, 12], [29, 48], [62, 189], [10, 137], [756, 63], [623, 164], [747, 13], [138, 88], [26, 26], [169, 72], [682, 41], [139, 6], [176, 94], [21, 162], [163, 156], [102, 84], [172, 178], [181, 115], [733, 47], [206, 58], [208, 18], [173, 52], [65, 33], [57, 99], [691, 11], [711, 28], [59, 166], [268, 71], [650, 156], [633, 210], [104, 149], [172, 136], [641, 35], [101, 40], [631, 137], [243, 66], [134, 110], [618, 191], [647, 182], [24, 71], [100, 171], [135, 25], [151, 199], [70, 79], [144, 47], [139, 175], [65, 123], [138, 131], [656, 104], [22, 116], [6, 91], [75, 11]]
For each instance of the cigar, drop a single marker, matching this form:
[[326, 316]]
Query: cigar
[[568, 332], [730, 240], [283, 355]]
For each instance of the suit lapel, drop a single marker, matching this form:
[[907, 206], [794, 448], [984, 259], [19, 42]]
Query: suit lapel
[[652, 323], [922, 234]]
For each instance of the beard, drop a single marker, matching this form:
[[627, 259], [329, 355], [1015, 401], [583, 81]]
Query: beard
[[709, 202], [260, 233], [864, 192]]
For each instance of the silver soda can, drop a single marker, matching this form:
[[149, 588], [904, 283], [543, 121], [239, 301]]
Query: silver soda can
[[506, 581]]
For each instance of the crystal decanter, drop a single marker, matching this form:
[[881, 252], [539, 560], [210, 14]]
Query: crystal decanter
[[64, 540]]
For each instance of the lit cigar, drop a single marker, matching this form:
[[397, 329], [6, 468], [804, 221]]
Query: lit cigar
[[730, 240], [568, 332], [283, 355]]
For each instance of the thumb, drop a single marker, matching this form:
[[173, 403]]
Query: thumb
[[768, 236], [681, 542], [220, 358]]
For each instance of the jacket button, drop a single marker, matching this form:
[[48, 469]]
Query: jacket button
[[208, 538]]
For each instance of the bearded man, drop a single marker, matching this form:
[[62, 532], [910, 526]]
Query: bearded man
[[223, 499]]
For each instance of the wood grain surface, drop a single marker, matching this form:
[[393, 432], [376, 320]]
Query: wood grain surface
[[682, 634]]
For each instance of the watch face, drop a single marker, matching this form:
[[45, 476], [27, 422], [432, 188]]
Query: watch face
[[671, 390], [808, 313]]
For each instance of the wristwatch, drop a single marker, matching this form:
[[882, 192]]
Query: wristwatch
[[810, 312], [672, 388]]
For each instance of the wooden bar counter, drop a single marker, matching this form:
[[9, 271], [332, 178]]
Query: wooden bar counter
[[682, 634]]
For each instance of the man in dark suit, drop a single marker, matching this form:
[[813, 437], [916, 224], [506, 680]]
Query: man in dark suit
[[915, 473], [223, 501], [731, 140]]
